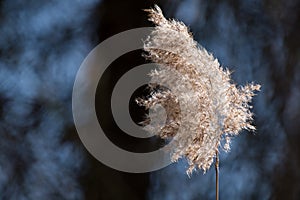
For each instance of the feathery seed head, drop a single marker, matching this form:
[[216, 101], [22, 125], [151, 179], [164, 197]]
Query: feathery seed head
[[204, 106]]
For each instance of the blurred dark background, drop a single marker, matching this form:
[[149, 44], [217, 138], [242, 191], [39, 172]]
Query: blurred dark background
[[42, 44]]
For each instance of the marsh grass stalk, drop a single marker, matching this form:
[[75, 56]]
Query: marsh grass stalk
[[212, 107]]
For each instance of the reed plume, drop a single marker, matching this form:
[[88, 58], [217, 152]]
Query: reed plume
[[203, 105]]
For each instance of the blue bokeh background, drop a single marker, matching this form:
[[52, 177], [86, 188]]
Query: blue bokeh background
[[42, 44]]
